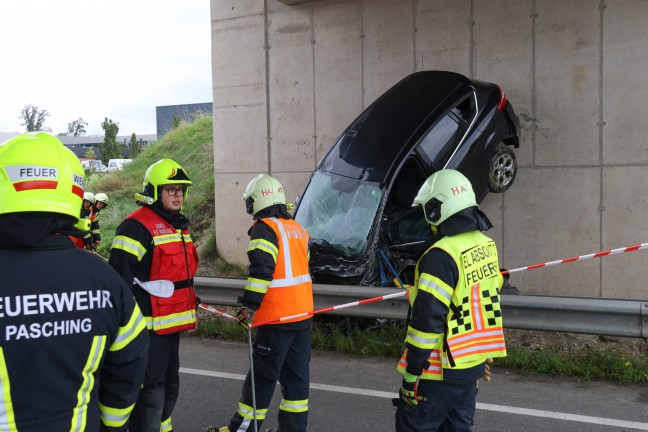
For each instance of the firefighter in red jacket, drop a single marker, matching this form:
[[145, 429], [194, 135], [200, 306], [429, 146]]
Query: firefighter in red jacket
[[73, 343], [81, 235], [153, 243], [279, 285]]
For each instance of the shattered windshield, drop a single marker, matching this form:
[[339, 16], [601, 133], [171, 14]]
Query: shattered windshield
[[339, 211]]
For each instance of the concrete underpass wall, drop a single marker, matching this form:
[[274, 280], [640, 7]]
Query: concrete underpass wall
[[288, 79]]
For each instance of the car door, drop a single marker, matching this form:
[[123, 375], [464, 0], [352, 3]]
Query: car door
[[467, 155]]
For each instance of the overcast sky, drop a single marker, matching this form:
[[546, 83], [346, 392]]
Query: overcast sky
[[95, 59]]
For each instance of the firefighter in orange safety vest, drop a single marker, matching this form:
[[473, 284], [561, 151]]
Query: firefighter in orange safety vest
[[152, 244], [455, 325], [73, 344], [279, 285]]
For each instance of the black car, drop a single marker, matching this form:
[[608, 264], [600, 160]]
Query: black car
[[357, 205]]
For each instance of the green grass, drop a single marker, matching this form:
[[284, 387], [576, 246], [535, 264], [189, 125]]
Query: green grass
[[586, 364], [191, 145]]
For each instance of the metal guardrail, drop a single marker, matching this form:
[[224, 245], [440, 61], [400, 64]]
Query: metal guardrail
[[626, 318]]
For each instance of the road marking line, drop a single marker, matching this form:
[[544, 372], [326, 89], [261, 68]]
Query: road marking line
[[480, 406], [212, 373], [564, 416]]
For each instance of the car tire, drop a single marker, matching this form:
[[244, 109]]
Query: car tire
[[502, 169]]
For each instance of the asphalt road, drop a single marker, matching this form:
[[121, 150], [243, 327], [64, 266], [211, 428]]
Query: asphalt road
[[354, 394]]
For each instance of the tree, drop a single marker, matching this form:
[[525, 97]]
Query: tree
[[175, 122], [77, 127], [110, 148], [90, 154], [135, 148], [34, 119]]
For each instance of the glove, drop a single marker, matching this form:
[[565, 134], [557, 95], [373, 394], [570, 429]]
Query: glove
[[245, 316], [487, 374], [408, 390]]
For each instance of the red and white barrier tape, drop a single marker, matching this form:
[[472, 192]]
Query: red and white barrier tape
[[332, 308], [581, 258], [217, 312]]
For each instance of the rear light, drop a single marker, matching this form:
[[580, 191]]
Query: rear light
[[503, 101]]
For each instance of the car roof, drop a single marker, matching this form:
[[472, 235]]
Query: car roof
[[371, 145]]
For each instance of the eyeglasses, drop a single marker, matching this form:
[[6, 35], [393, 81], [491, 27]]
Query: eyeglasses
[[174, 191]]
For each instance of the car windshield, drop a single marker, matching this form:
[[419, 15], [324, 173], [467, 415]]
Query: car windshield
[[339, 212]]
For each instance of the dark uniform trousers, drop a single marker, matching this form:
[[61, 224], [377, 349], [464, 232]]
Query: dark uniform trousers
[[447, 407], [283, 356], [159, 392]]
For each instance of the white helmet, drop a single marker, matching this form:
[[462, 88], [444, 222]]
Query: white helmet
[[101, 197], [262, 192], [89, 196], [443, 194]]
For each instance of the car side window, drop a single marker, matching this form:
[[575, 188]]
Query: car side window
[[437, 145], [465, 109]]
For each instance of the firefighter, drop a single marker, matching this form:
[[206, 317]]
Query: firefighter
[[73, 345], [456, 320], [100, 202], [153, 243], [81, 236], [86, 205], [279, 285]]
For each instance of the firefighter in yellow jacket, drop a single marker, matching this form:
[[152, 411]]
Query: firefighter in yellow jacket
[[456, 319], [151, 244], [73, 343], [279, 285]]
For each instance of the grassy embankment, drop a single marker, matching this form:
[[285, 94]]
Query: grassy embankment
[[191, 146]]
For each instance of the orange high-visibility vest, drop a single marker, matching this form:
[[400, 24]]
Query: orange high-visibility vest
[[291, 290]]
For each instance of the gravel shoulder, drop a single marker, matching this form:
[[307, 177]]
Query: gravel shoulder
[[572, 343]]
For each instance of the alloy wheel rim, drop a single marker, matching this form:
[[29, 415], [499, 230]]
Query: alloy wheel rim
[[504, 170]]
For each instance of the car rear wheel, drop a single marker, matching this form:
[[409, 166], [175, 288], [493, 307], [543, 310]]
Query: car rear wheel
[[502, 169]]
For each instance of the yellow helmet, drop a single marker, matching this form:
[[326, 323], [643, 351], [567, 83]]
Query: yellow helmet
[[262, 192], [164, 172], [38, 174], [443, 194]]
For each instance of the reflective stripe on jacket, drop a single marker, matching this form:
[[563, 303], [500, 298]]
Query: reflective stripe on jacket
[[474, 323], [291, 289], [174, 258]]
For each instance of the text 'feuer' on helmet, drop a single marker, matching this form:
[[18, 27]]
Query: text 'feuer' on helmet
[[39, 174]]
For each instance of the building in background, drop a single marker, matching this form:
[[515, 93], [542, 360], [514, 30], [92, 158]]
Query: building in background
[[81, 144], [4, 136], [165, 114]]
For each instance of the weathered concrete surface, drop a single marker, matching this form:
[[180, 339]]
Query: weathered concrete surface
[[443, 36], [338, 70], [291, 91], [288, 78]]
